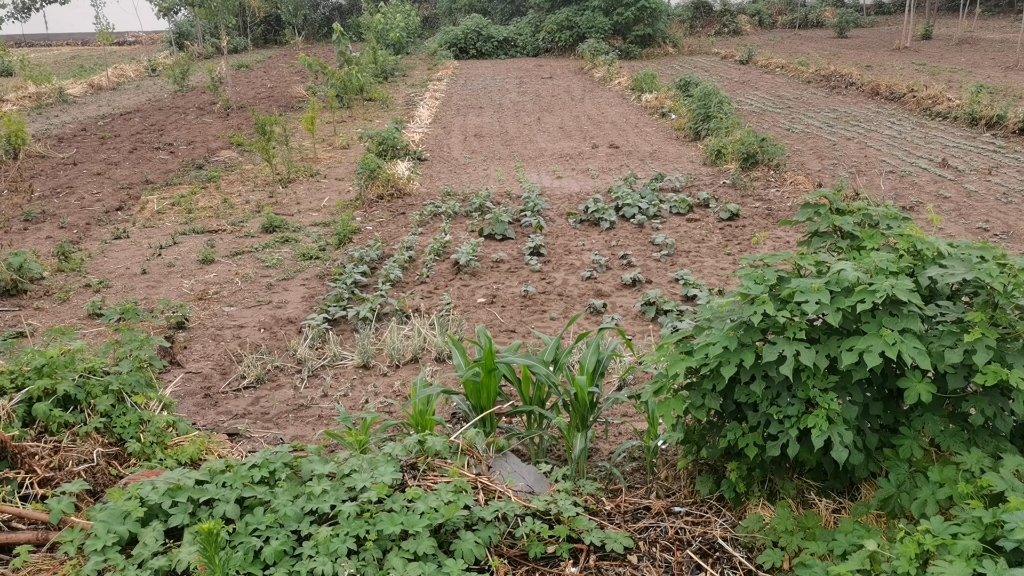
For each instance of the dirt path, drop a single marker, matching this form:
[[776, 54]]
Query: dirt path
[[972, 181], [986, 54]]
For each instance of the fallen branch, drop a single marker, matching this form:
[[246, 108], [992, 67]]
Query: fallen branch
[[39, 516], [32, 537]]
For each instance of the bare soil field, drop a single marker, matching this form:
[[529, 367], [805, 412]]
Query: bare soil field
[[986, 54], [142, 191], [969, 180], [166, 170]]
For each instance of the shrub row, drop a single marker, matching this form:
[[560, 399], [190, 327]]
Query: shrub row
[[558, 27], [707, 114]]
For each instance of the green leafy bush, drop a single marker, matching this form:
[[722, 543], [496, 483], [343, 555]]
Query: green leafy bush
[[178, 71], [393, 25], [273, 223], [18, 270], [927, 31], [476, 37], [569, 27], [872, 339], [710, 112], [686, 84], [388, 144], [746, 55], [64, 385], [845, 20], [644, 82], [559, 27], [745, 149], [14, 136]]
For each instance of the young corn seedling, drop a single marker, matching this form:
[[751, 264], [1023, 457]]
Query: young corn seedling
[[648, 442], [421, 409], [480, 377], [362, 432], [581, 398], [533, 413]]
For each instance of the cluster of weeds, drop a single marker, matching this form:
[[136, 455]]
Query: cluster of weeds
[[19, 269], [14, 136], [710, 116], [69, 257], [644, 82], [274, 223], [388, 167], [172, 314]]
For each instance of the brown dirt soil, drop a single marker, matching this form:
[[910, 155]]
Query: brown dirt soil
[[573, 136], [988, 54], [969, 180], [168, 165]]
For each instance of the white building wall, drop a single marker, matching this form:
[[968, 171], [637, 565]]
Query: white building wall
[[74, 20]]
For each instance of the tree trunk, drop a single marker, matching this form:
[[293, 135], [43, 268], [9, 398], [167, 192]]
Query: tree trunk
[[1019, 38], [977, 10], [903, 32], [960, 20], [910, 31]]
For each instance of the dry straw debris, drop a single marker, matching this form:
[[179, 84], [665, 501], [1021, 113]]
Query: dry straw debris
[[419, 124]]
